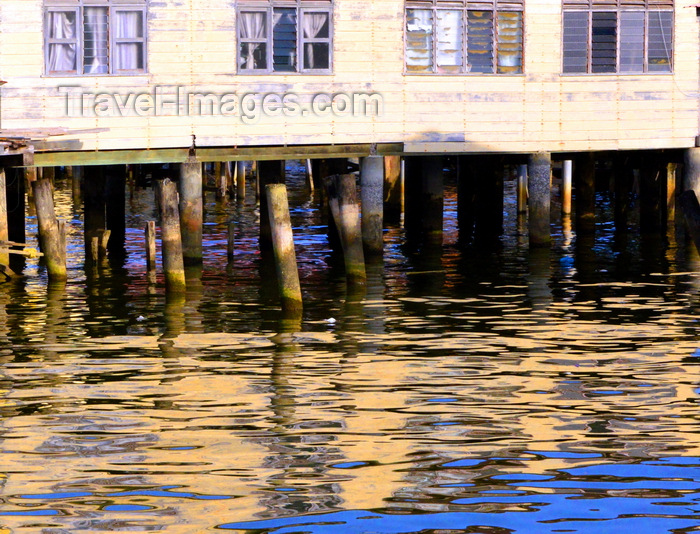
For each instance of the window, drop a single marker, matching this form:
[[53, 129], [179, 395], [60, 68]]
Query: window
[[618, 36], [93, 37], [284, 36], [456, 37]]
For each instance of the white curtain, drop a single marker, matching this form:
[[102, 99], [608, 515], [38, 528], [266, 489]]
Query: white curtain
[[449, 40], [252, 26], [129, 25], [62, 56], [312, 24], [96, 47]]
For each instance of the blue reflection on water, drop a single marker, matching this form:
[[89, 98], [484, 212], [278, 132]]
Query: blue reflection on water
[[599, 499]]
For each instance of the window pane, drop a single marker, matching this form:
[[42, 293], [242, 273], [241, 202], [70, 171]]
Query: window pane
[[284, 40], [449, 40], [575, 41], [510, 42], [253, 56], [316, 56], [480, 41], [95, 31], [252, 25], [419, 40], [129, 56], [660, 41], [129, 25], [604, 42], [62, 56], [316, 25], [631, 41]]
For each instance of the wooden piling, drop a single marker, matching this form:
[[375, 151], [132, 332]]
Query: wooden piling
[[309, 175], [220, 180], [52, 247], [522, 189], [115, 210], [539, 186], [393, 191], [433, 197], [240, 180], [652, 193], [76, 186], [283, 248], [691, 212], [150, 231], [171, 238], [191, 217], [671, 181], [342, 200], [691, 170], [4, 224], [566, 185], [585, 193], [372, 196], [269, 172]]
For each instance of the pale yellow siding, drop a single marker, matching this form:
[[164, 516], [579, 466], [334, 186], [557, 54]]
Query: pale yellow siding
[[192, 43]]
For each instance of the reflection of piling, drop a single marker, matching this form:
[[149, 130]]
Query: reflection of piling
[[191, 218], [231, 244], [283, 247], [4, 225], [53, 247], [539, 183], [342, 199], [372, 192], [171, 238]]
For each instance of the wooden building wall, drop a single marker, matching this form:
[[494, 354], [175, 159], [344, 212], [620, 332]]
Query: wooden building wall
[[192, 43]]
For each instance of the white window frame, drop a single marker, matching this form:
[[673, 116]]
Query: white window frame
[[465, 6], [647, 7], [113, 7], [302, 7]]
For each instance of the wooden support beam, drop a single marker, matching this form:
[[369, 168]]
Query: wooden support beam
[[179, 155]]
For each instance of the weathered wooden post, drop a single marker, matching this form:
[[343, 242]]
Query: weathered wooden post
[[691, 170], [283, 248], [342, 200], [52, 247], [220, 180], [94, 207], [309, 175], [671, 180], [566, 185], [76, 186], [191, 218], [522, 189], [393, 191], [691, 211], [539, 186], [171, 238], [4, 224], [115, 210], [269, 172], [151, 251], [240, 180], [372, 195], [433, 198], [585, 193], [652, 193]]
